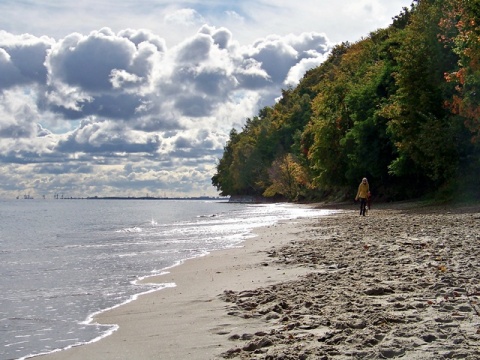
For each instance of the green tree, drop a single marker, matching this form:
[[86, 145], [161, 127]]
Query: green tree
[[328, 124], [398, 106], [367, 145], [223, 179], [418, 122]]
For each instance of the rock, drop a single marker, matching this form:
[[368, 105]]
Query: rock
[[245, 294], [429, 338], [390, 353], [265, 342], [233, 351], [378, 291], [250, 347], [358, 324], [272, 316], [255, 345]]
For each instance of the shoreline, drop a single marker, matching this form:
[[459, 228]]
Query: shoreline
[[198, 282], [334, 286]]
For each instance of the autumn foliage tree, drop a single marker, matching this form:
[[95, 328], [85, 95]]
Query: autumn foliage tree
[[461, 25], [400, 106], [288, 178]]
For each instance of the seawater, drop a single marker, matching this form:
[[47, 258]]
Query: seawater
[[63, 261]]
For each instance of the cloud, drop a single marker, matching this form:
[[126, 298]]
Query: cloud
[[176, 20], [22, 59], [87, 62], [275, 56], [233, 15], [60, 169], [19, 124], [19, 116], [92, 103], [144, 36], [297, 71], [185, 17], [221, 37], [107, 139], [367, 9]]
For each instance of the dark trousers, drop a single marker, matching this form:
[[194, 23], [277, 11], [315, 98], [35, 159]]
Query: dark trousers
[[363, 205]]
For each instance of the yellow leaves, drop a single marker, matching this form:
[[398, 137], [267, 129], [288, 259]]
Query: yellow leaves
[[287, 176], [391, 111], [466, 44]]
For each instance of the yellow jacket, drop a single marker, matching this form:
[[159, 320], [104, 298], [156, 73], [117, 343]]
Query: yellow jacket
[[362, 192]]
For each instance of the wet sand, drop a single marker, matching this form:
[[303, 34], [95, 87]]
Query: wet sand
[[403, 281]]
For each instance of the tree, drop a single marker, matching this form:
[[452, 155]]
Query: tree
[[418, 122], [380, 107], [223, 179], [329, 122], [461, 30], [287, 177]]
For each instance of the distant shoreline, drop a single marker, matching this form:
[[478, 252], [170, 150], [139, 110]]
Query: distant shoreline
[[130, 198], [153, 198]]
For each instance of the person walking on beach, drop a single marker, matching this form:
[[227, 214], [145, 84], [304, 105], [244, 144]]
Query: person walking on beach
[[362, 194]]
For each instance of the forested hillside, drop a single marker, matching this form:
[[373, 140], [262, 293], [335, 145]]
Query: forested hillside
[[401, 107]]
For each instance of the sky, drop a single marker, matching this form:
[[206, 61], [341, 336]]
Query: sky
[[136, 98]]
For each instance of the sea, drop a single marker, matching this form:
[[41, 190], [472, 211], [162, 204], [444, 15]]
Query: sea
[[64, 261]]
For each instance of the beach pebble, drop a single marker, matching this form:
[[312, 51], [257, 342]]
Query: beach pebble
[[429, 338], [390, 353], [272, 316], [358, 324], [378, 291], [255, 345]]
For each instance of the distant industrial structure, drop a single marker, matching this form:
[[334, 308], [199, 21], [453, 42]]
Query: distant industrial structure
[[60, 196]]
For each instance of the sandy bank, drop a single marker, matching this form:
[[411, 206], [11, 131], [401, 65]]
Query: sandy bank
[[190, 321], [400, 282]]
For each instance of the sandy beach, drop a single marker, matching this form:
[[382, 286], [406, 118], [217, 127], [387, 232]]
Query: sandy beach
[[401, 282]]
